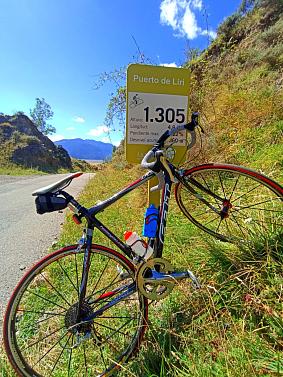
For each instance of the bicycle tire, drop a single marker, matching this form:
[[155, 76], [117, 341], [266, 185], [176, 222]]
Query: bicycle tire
[[253, 203], [37, 330]]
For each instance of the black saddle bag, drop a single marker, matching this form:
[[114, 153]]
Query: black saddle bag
[[49, 203]]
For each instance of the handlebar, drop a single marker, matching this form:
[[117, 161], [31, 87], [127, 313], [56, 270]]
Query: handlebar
[[156, 166]]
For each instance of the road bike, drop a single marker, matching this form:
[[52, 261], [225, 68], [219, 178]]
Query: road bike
[[83, 309]]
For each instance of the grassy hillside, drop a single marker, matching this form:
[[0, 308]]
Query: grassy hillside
[[237, 85]]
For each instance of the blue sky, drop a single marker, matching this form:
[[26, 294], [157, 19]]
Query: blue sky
[[56, 48]]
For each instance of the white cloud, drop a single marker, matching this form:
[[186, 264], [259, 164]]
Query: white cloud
[[169, 65], [189, 24], [211, 33], [116, 143], [169, 11], [197, 4], [106, 139], [180, 15], [70, 128], [56, 137], [98, 131], [78, 119]]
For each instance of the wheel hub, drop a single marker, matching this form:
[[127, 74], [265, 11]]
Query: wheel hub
[[71, 318], [226, 206]]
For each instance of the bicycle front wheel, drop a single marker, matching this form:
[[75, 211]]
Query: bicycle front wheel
[[40, 332], [232, 203]]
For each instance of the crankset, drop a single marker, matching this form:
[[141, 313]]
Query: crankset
[[154, 280]]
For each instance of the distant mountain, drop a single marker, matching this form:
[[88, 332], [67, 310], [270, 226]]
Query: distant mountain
[[87, 149]]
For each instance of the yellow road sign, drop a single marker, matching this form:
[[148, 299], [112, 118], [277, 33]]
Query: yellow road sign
[[157, 100]]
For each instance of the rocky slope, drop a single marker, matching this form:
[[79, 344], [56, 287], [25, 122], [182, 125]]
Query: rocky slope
[[23, 144]]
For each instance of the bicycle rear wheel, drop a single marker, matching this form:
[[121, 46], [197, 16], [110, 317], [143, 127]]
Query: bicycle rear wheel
[[230, 202], [40, 335]]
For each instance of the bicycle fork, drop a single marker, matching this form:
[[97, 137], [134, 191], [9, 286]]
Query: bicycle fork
[[85, 240]]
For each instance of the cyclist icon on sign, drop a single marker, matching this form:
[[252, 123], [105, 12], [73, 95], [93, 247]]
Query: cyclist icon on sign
[[136, 101]]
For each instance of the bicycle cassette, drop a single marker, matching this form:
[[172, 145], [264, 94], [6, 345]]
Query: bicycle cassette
[[153, 279]]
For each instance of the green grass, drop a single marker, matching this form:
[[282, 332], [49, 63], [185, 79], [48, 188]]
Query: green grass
[[12, 169], [231, 327]]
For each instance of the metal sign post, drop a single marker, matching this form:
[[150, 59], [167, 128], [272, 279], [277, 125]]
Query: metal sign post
[[157, 100]]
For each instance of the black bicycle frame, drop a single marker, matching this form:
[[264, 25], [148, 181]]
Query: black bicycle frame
[[157, 243], [93, 222]]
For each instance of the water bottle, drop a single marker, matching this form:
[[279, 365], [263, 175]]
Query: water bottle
[[150, 222], [139, 246]]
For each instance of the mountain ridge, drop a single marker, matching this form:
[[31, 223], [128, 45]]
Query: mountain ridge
[[86, 149]]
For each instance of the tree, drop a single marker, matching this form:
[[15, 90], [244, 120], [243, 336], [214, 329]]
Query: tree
[[116, 109], [40, 114]]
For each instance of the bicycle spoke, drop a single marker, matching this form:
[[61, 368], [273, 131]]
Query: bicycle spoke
[[234, 188], [221, 183], [256, 204], [260, 209], [70, 357], [115, 330], [58, 293], [42, 313], [226, 223], [66, 274], [105, 289], [101, 353], [85, 360], [111, 345], [219, 225], [239, 226], [45, 337], [209, 210], [100, 277], [116, 317], [205, 182], [248, 192], [77, 276], [211, 221], [63, 349], [50, 349], [46, 299]]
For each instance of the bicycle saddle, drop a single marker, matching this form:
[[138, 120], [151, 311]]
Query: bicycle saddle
[[57, 185]]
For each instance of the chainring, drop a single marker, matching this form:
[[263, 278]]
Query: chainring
[[159, 289]]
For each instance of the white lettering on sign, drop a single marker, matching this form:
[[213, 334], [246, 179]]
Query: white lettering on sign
[[149, 115], [156, 80]]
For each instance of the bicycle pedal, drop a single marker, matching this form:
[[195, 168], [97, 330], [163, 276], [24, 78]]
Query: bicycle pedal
[[195, 282]]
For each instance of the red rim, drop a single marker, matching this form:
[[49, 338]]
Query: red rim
[[270, 184], [55, 253], [240, 169]]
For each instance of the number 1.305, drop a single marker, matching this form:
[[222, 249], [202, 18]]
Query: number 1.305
[[168, 115]]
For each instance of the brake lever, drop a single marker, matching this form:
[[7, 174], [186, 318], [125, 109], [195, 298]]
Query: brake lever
[[161, 182]]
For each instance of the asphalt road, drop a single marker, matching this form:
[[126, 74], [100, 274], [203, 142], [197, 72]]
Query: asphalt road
[[25, 236]]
